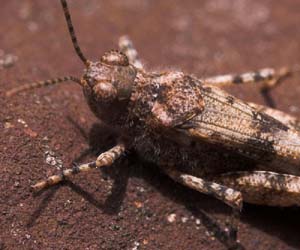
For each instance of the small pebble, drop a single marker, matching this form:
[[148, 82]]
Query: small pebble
[[7, 60], [30, 132], [198, 221], [8, 125], [138, 204], [184, 219], [22, 122], [136, 245], [171, 218]]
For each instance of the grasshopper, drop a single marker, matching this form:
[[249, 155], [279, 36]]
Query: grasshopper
[[166, 117]]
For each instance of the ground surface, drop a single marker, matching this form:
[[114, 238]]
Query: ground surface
[[127, 206]]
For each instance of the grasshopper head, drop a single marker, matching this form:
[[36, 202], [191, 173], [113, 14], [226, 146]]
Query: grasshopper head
[[108, 83], [110, 79]]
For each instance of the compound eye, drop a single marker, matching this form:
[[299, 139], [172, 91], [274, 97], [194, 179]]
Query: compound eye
[[90, 82], [105, 91], [115, 58]]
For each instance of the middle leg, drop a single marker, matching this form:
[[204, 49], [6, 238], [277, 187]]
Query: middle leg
[[126, 46], [228, 195]]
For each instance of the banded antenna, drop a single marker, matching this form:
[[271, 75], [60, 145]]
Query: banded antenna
[[41, 84], [72, 32], [54, 81]]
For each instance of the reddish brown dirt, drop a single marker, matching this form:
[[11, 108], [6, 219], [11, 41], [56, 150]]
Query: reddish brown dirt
[[126, 206]]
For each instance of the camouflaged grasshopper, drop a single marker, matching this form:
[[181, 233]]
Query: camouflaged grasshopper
[[166, 117]]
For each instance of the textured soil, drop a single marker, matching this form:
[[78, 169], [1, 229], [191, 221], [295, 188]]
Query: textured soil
[[129, 205]]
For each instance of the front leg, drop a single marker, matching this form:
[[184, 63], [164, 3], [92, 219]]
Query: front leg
[[105, 159]]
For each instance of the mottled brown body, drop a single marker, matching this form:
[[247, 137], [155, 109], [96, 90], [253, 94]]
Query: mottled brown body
[[220, 119], [169, 117], [177, 122], [217, 118]]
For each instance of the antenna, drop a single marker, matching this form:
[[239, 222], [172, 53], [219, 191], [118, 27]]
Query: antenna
[[41, 84], [72, 32], [60, 79]]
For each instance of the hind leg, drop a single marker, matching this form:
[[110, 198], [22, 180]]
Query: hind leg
[[264, 187], [270, 77]]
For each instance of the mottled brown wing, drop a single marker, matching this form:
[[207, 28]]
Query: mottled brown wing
[[225, 117], [177, 102], [234, 124]]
